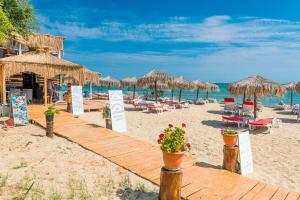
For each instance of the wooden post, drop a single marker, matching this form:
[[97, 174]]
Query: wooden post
[[20, 49], [108, 123], [230, 161], [45, 91], [3, 85], [170, 184], [255, 105], [91, 90]]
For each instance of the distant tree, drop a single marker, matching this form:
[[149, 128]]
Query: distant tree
[[21, 15]]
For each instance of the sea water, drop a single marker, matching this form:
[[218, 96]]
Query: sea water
[[269, 101]]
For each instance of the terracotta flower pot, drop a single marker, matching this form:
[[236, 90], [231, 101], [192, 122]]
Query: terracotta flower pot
[[172, 161], [230, 140]]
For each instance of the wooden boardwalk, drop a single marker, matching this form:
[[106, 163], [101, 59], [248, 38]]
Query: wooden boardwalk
[[144, 160]]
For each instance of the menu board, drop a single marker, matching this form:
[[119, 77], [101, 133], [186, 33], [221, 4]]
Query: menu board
[[245, 153], [77, 100], [117, 110], [19, 109]]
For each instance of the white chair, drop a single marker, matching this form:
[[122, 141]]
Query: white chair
[[229, 107]]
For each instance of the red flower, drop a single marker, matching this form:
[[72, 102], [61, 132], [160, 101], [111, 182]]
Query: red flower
[[183, 125], [188, 145], [158, 141], [161, 135], [170, 125]]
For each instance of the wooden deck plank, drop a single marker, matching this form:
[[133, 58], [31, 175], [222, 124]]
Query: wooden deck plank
[[145, 160]]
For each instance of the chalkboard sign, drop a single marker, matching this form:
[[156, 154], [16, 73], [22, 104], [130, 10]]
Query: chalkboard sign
[[117, 110], [77, 100], [19, 109], [245, 153]]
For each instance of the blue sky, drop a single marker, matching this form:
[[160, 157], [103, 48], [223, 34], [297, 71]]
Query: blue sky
[[210, 40]]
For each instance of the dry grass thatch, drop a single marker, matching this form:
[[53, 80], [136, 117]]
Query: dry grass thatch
[[46, 65], [298, 87], [291, 86], [129, 81], [256, 85], [109, 81], [183, 84], [40, 41], [207, 86], [153, 77]]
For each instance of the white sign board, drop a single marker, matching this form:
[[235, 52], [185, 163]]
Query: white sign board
[[116, 103], [77, 100], [245, 153]]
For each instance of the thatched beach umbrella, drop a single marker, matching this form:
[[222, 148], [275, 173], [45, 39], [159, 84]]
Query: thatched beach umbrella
[[256, 86], [109, 81], [291, 87], [155, 77], [198, 85], [182, 84], [130, 81], [208, 87]]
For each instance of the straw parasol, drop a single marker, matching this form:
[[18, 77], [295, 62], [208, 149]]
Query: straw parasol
[[130, 81], [155, 77], [291, 87], [208, 87], [109, 81], [198, 84], [256, 86], [182, 84]]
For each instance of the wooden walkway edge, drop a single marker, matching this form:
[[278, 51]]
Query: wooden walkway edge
[[145, 160]]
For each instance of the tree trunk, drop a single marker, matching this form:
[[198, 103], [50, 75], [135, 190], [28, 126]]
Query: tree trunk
[[180, 93], [170, 184], [230, 161], [255, 105]]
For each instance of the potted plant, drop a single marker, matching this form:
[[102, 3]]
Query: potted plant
[[106, 115], [229, 137], [49, 113], [173, 145]]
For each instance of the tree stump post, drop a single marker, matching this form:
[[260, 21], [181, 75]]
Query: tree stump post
[[231, 156], [170, 184], [108, 123]]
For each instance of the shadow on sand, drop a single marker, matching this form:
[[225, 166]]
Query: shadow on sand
[[207, 165], [285, 113], [139, 193], [213, 123], [217, 112]]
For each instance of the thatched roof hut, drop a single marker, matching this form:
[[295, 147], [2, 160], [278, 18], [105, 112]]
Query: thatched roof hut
[[40, 41], [291, 87], [155, 78], [182, 84], [46, 65], [256, 86], [208, 87]]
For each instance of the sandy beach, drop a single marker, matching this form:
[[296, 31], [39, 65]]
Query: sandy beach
[[59, 169], [276, 156]]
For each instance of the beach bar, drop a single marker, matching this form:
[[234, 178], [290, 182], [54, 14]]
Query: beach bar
[[40, 62]]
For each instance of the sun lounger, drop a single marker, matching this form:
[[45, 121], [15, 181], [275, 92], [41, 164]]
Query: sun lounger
[[184, 104], [229, 106], [248, 108], [240, 121], [269, 123], [200, 102], [156, 107], [92, 105], [295, 109], [211, 100], [281, 106]]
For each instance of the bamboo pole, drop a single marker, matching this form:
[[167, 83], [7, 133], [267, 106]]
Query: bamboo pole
[[3, 85], [255, 105], [45, 91]]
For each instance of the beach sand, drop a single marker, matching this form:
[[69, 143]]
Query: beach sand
[[276, 156], [60, 169]]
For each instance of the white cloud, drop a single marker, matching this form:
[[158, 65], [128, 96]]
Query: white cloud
[[214, 29]]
